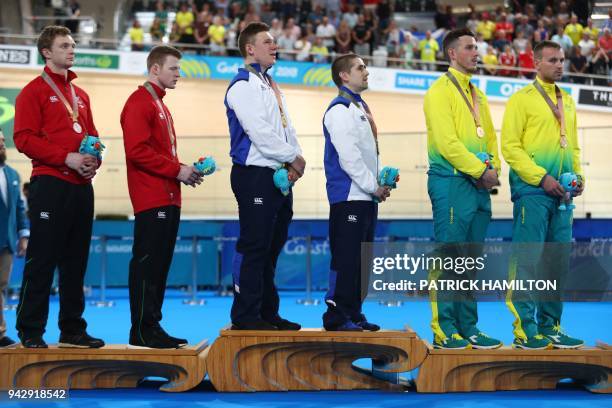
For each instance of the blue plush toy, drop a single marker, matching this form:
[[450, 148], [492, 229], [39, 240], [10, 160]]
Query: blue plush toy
[[486, 159], [388, 177], [206, 165], [569, 182], [92, 145], [281, 180]]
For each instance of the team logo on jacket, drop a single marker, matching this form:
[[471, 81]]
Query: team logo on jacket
[[363, 118], [161, 116], [258, 201], [352, 218], [161, 215], [53, 99], [44, 215]]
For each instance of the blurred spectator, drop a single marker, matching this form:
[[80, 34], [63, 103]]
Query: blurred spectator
[[525, 61], [326, 32], [563, 40], [303, 46], [74, 11], [216, 32], [578, 65], [175, 34], [395, 40], [482, 46], [472, 22], [490, 62], [185, 19], [600, 65], [343, 38], [507, 59], [520, 43], [222, 6], [524, 27], [267, 14], [136, 34], [157, 34], [162, 15], [276, 29], [296, 32], [361, 37], [319, 51], [316, 15], [371, 22], [428, 47], [334, 19], [383, 12], [200, 33], [574, 30], [486, 27], [506, 26], [541, 32], [286, 42], [333, 6], [251, 15], [587, 46], [409, 50], [608, 23], [350, 16], [593, 32], [563, 13], [500, 41]]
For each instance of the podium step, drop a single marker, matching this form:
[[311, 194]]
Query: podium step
[[309, 359], [113, 366], [510, 369]]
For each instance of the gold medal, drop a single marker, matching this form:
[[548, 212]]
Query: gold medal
[[563, 141], [283, 119], [76, 126], [480, 132]]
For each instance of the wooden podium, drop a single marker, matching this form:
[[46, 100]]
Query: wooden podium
[[309, 359], [113, 366]]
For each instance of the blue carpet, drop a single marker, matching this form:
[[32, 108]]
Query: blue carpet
[[591, 321]]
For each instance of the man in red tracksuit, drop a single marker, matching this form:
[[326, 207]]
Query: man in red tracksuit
[[154, 173], [51, 118]]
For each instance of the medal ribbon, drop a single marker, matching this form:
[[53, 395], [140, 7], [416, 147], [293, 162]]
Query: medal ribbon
[[73, 111], [149, 88], [557, 110], [368, 115], [473, 107], [274, 87]]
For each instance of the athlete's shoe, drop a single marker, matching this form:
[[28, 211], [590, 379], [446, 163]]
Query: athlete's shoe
[[454, 342], [483, 342], [559, 339], [537, 342]]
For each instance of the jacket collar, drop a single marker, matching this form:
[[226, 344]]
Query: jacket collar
[[464, 79], [353, 94], [57, 78]]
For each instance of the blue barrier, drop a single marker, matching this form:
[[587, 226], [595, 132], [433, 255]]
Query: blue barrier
[[216, 249]]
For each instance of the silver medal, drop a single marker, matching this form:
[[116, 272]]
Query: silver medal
[[76, 126]]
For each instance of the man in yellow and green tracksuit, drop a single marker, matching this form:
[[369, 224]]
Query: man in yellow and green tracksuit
[[459, 126], [538, 150]]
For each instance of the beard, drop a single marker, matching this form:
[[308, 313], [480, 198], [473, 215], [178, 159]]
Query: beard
[[2, 157]]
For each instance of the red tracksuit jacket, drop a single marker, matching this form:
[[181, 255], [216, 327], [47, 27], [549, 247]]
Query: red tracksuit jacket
[[151, 167], [43, 127]]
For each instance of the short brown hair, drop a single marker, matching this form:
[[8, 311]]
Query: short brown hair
[[47, 36], [248, 35], [159, 53], [342, 64], [537, 50], [451, 39]]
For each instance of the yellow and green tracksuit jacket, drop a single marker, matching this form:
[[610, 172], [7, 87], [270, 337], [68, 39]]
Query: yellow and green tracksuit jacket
[[452, 142], [530, 139]]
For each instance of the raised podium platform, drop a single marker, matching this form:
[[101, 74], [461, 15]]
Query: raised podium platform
[[113, 366], [510, 369], [307, 360], [310, 359]]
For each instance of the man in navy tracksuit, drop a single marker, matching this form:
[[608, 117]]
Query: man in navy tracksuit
[[351, 169], [262, 139]]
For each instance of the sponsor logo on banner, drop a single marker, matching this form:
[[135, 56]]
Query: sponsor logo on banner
[[414, 81], [595, 97], [505, 89], [7, 113], [318, 75], [90, 60], [194, 68], [19, 56]]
